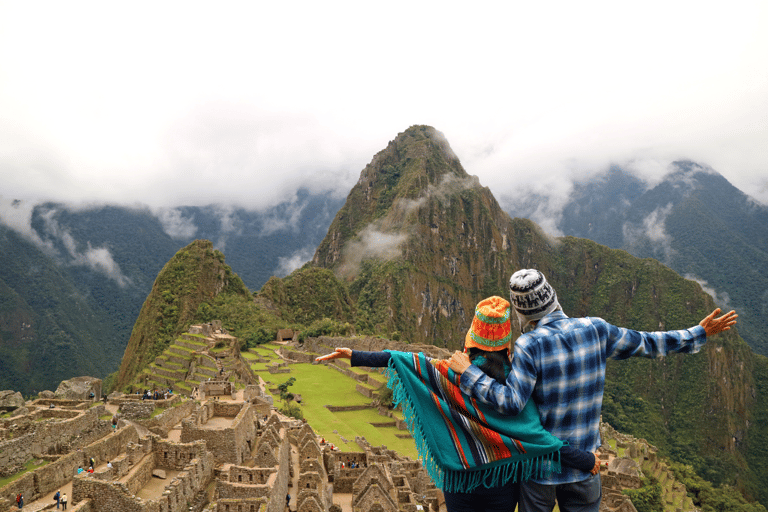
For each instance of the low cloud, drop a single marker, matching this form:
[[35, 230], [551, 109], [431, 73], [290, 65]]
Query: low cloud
[[651, 230], [371, 243], [721, 299], [287, 264], [287, 218], [448, 186], [382, 238], [98, 259], [175, 224], [17, 215]]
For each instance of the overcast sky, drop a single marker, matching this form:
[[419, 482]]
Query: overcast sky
[[189, 103]]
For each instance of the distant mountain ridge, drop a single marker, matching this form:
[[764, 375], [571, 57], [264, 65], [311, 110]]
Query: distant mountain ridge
[[83, 280], [693, 221]]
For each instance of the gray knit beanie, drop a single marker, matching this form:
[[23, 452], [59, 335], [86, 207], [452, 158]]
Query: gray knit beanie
[[532, 296]]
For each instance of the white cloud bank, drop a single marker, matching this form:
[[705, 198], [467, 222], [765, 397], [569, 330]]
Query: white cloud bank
[[244, 102]]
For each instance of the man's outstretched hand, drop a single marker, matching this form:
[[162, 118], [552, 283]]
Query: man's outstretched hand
[[716, 325]]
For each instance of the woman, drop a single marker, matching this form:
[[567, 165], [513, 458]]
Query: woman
[[491, 453]]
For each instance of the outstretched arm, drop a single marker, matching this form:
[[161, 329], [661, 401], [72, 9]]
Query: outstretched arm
[[358, 357], [717, 325]]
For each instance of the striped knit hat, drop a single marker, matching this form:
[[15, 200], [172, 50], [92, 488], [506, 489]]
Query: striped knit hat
[[490, 329], [532, 296]]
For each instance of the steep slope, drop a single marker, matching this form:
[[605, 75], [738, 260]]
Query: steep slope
[[419, 242], [197, 273], [49, 331]]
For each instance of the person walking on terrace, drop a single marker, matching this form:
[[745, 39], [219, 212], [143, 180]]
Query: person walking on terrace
[[559, 363], [476, 456]]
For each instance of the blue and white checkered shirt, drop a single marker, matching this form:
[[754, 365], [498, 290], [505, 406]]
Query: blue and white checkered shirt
[[561, 364]]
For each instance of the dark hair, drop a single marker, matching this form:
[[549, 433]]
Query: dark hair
[[495, 364]]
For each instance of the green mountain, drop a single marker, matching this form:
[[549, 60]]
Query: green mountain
[[196, 274]]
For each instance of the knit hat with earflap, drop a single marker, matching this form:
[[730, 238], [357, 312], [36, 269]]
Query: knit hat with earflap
[[490, 329], [532, 296]]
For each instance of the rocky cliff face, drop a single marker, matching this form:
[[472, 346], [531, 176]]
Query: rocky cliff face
[[420, 242], [195, 274]]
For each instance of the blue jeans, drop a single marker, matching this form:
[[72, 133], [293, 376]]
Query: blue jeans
[[581, 496], [496, 499]]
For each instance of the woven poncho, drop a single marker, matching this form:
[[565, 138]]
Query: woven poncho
[[464, 444]]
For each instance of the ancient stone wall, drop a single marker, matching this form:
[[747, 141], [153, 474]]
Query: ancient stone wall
[[47, 437], [250, 476], [301, 357], [229, 444], [177, 456], [140, 474], [227, 409], [241, 505], [235, 491], [54, 475], [282, 478], [110, 495], [42, 414], [343, 408], [165, 421], [365, 391], [137, 410], [133, 398], [45, 403]]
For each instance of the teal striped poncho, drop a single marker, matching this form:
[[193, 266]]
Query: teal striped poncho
[[464, 444]]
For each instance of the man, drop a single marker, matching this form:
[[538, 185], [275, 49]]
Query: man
[[560, 364]]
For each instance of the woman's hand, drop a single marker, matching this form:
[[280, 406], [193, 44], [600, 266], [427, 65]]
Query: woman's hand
[[595, 470], [342, 352], [459, 362]]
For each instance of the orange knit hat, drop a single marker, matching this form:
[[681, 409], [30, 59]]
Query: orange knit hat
[[490, 330]]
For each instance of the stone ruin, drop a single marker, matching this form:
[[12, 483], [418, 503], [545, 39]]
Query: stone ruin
[[230, 456]]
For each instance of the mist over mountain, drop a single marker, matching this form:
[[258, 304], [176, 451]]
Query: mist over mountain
[[693, 221]]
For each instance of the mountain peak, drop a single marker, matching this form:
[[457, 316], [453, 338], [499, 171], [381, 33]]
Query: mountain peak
[[417, 157], [417, 164]]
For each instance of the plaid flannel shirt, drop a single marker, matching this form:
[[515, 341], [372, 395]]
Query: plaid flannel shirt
[[561, 365]]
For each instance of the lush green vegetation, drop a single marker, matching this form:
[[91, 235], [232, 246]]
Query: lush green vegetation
[[712, 498], [648, 498], [320, 385]]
